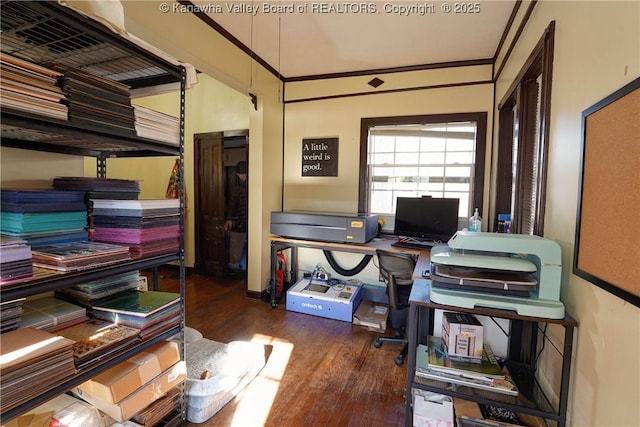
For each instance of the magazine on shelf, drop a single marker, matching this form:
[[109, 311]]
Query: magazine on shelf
[[95, 337], [77, 251], [49, 312], [142, 204], [139, 303], [439, 360], [78, 255], [504, 385]]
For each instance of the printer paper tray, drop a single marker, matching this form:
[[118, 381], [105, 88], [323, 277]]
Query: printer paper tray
[[482, 279], [443, 255]]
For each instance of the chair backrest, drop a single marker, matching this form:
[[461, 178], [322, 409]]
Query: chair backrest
[[396, 269]]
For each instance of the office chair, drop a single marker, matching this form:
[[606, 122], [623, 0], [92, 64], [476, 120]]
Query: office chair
[[396, 270]]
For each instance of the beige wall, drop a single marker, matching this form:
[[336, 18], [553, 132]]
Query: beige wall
[[35, 169], [210, 106], [597, 50], [216, 57], [340, 117]]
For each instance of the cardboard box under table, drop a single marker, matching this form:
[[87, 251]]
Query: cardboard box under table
[[372, 316], [318, 297]]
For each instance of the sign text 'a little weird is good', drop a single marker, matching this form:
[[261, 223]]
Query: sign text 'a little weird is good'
[[320, 157]]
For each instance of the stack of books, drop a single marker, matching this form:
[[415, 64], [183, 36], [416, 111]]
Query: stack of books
[[433, 363], [10, 314], [88, 294], [51, 314], [99, 188], [97, 102], [43, 216], [96, 339], [156, 125], [151, 312], [30, 88], [32, 361], [15, 260], [149, 227], [154, 413], [76, 256]]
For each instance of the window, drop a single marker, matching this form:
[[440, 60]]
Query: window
[[523, 142], [414, 156]]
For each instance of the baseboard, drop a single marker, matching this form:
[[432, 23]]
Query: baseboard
[[263, 295], [176, 268]]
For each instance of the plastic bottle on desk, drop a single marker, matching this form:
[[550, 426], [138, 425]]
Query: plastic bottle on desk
[[475, 222], [504, 223]]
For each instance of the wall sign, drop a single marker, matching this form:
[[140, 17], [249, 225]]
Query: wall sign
[[320, 157]]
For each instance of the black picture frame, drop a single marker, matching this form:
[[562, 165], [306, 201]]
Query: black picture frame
[[319, 157], [607, 239]]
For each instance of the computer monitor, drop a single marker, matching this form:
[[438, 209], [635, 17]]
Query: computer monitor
[[426, 218]]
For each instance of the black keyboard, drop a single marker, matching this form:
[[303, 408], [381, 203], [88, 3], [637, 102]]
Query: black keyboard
[[413, 244]]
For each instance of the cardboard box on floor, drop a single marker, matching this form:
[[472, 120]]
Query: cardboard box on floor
[[142, 397], [119, 381], [372, 315]]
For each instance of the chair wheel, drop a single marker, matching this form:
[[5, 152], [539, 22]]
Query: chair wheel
[[400, 360], [377, 344]]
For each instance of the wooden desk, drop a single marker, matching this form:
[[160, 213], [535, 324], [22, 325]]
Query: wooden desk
[[281, 243]]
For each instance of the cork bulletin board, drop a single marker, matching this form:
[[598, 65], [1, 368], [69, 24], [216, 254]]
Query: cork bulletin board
[[607, 247]]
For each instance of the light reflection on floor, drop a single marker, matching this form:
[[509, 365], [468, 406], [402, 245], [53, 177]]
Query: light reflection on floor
[[255, 401]]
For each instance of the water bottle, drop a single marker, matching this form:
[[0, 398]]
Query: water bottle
[[504, 223], [475, 222]]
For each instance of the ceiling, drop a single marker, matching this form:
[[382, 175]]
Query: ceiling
[[305, 38]]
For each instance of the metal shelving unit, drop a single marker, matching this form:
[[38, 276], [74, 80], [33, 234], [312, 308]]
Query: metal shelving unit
[[48, 34], [521, 361]]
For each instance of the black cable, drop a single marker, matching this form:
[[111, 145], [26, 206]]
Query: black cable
[[357, 269], [506, 334], [544, 340]]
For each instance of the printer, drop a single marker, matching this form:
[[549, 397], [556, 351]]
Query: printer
[[516, 272], [325, 226]]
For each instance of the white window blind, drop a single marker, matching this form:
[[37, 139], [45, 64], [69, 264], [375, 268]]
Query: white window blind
[[435, 160]]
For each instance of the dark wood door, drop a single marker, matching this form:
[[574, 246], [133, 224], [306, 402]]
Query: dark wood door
[[209, 195]]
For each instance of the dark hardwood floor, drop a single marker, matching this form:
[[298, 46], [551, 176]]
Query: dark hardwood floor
[[320, 372]]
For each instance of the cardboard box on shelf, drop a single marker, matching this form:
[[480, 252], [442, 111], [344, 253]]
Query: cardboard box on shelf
[[142, 397], [462, 335], [466, 408], [119, 381], [372, 316]]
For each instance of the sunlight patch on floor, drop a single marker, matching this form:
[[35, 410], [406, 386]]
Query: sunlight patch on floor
[[255, 401]]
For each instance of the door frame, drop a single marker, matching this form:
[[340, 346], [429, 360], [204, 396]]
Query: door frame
[[228, 138]]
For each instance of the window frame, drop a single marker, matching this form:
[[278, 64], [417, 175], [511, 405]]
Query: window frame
[[480, 118], [509, 197]]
